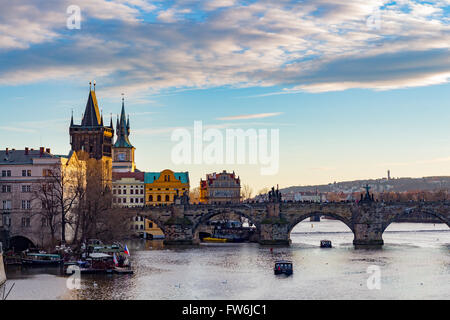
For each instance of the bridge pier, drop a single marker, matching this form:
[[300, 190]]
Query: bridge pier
[[368, 235], [274, 234], [179, 234]]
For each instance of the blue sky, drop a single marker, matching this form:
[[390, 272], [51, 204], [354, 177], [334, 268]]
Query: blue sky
[[354, 88]]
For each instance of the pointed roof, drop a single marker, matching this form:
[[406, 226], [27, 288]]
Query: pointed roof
[[122, 130], [91, 116]]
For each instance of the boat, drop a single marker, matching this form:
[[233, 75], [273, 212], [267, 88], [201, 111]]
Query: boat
[[41, 259], [210, 239], [283, 267], [325, 244], [96, 262]]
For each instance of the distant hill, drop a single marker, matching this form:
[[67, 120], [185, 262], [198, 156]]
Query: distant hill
[[378, 185]]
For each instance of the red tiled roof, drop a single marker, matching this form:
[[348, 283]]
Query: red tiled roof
[[136, 175]]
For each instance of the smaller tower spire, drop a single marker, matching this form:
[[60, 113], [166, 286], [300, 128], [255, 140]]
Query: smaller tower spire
[[90, 85], [110, 123], [71, 119]]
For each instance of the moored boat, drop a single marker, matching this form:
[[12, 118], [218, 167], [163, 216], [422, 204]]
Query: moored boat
[[210, 239], [41, 259]]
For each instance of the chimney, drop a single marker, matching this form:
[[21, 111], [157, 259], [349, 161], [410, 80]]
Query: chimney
[[41, 151], [47, 150], [26, 150]]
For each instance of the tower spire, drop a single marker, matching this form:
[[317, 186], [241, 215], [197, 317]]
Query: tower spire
[[122, 128]]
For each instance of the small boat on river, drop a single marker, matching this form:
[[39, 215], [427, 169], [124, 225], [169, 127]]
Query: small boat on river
[[325, 244], [283, 267]]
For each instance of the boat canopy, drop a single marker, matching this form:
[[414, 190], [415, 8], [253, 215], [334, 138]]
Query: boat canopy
[[44, 255], [99, 255]]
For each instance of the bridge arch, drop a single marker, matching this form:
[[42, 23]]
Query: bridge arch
[[240, 212], [302, 217], [20, 243], [405, 214]]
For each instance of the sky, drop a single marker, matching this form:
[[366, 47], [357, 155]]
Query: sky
[[354, 88]]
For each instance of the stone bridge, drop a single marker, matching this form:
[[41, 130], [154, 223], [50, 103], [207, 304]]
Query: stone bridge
[[274, 221]]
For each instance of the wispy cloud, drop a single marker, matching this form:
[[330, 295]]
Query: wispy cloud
[[251, 116]]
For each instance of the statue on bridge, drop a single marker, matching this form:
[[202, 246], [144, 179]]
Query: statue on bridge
[[274, 195], [367, 197], [184, 199]]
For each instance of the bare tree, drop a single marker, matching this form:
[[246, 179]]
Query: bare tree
[[246, 192], [264, 190], [194, 195], [94, 216], [58, 192]]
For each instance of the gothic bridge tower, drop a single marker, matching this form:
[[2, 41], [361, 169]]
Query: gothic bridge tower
[[92, 136]]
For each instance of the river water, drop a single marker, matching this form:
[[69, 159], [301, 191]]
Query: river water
[[414, 263]]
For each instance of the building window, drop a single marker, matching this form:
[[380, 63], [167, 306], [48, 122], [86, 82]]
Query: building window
[[131, 200], [26, 222], [6, 173], [142, 191], [114, 191], [24, 173], [167, 198], [131, 191], [124, 200], [6, 188], [26, 188], [150, 198], [6, 204], [158, 198], [124, 191], [26, 204], [150, 225], [120, 191], [28, 173]]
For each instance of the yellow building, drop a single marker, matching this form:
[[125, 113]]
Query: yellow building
[[162, 187]]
